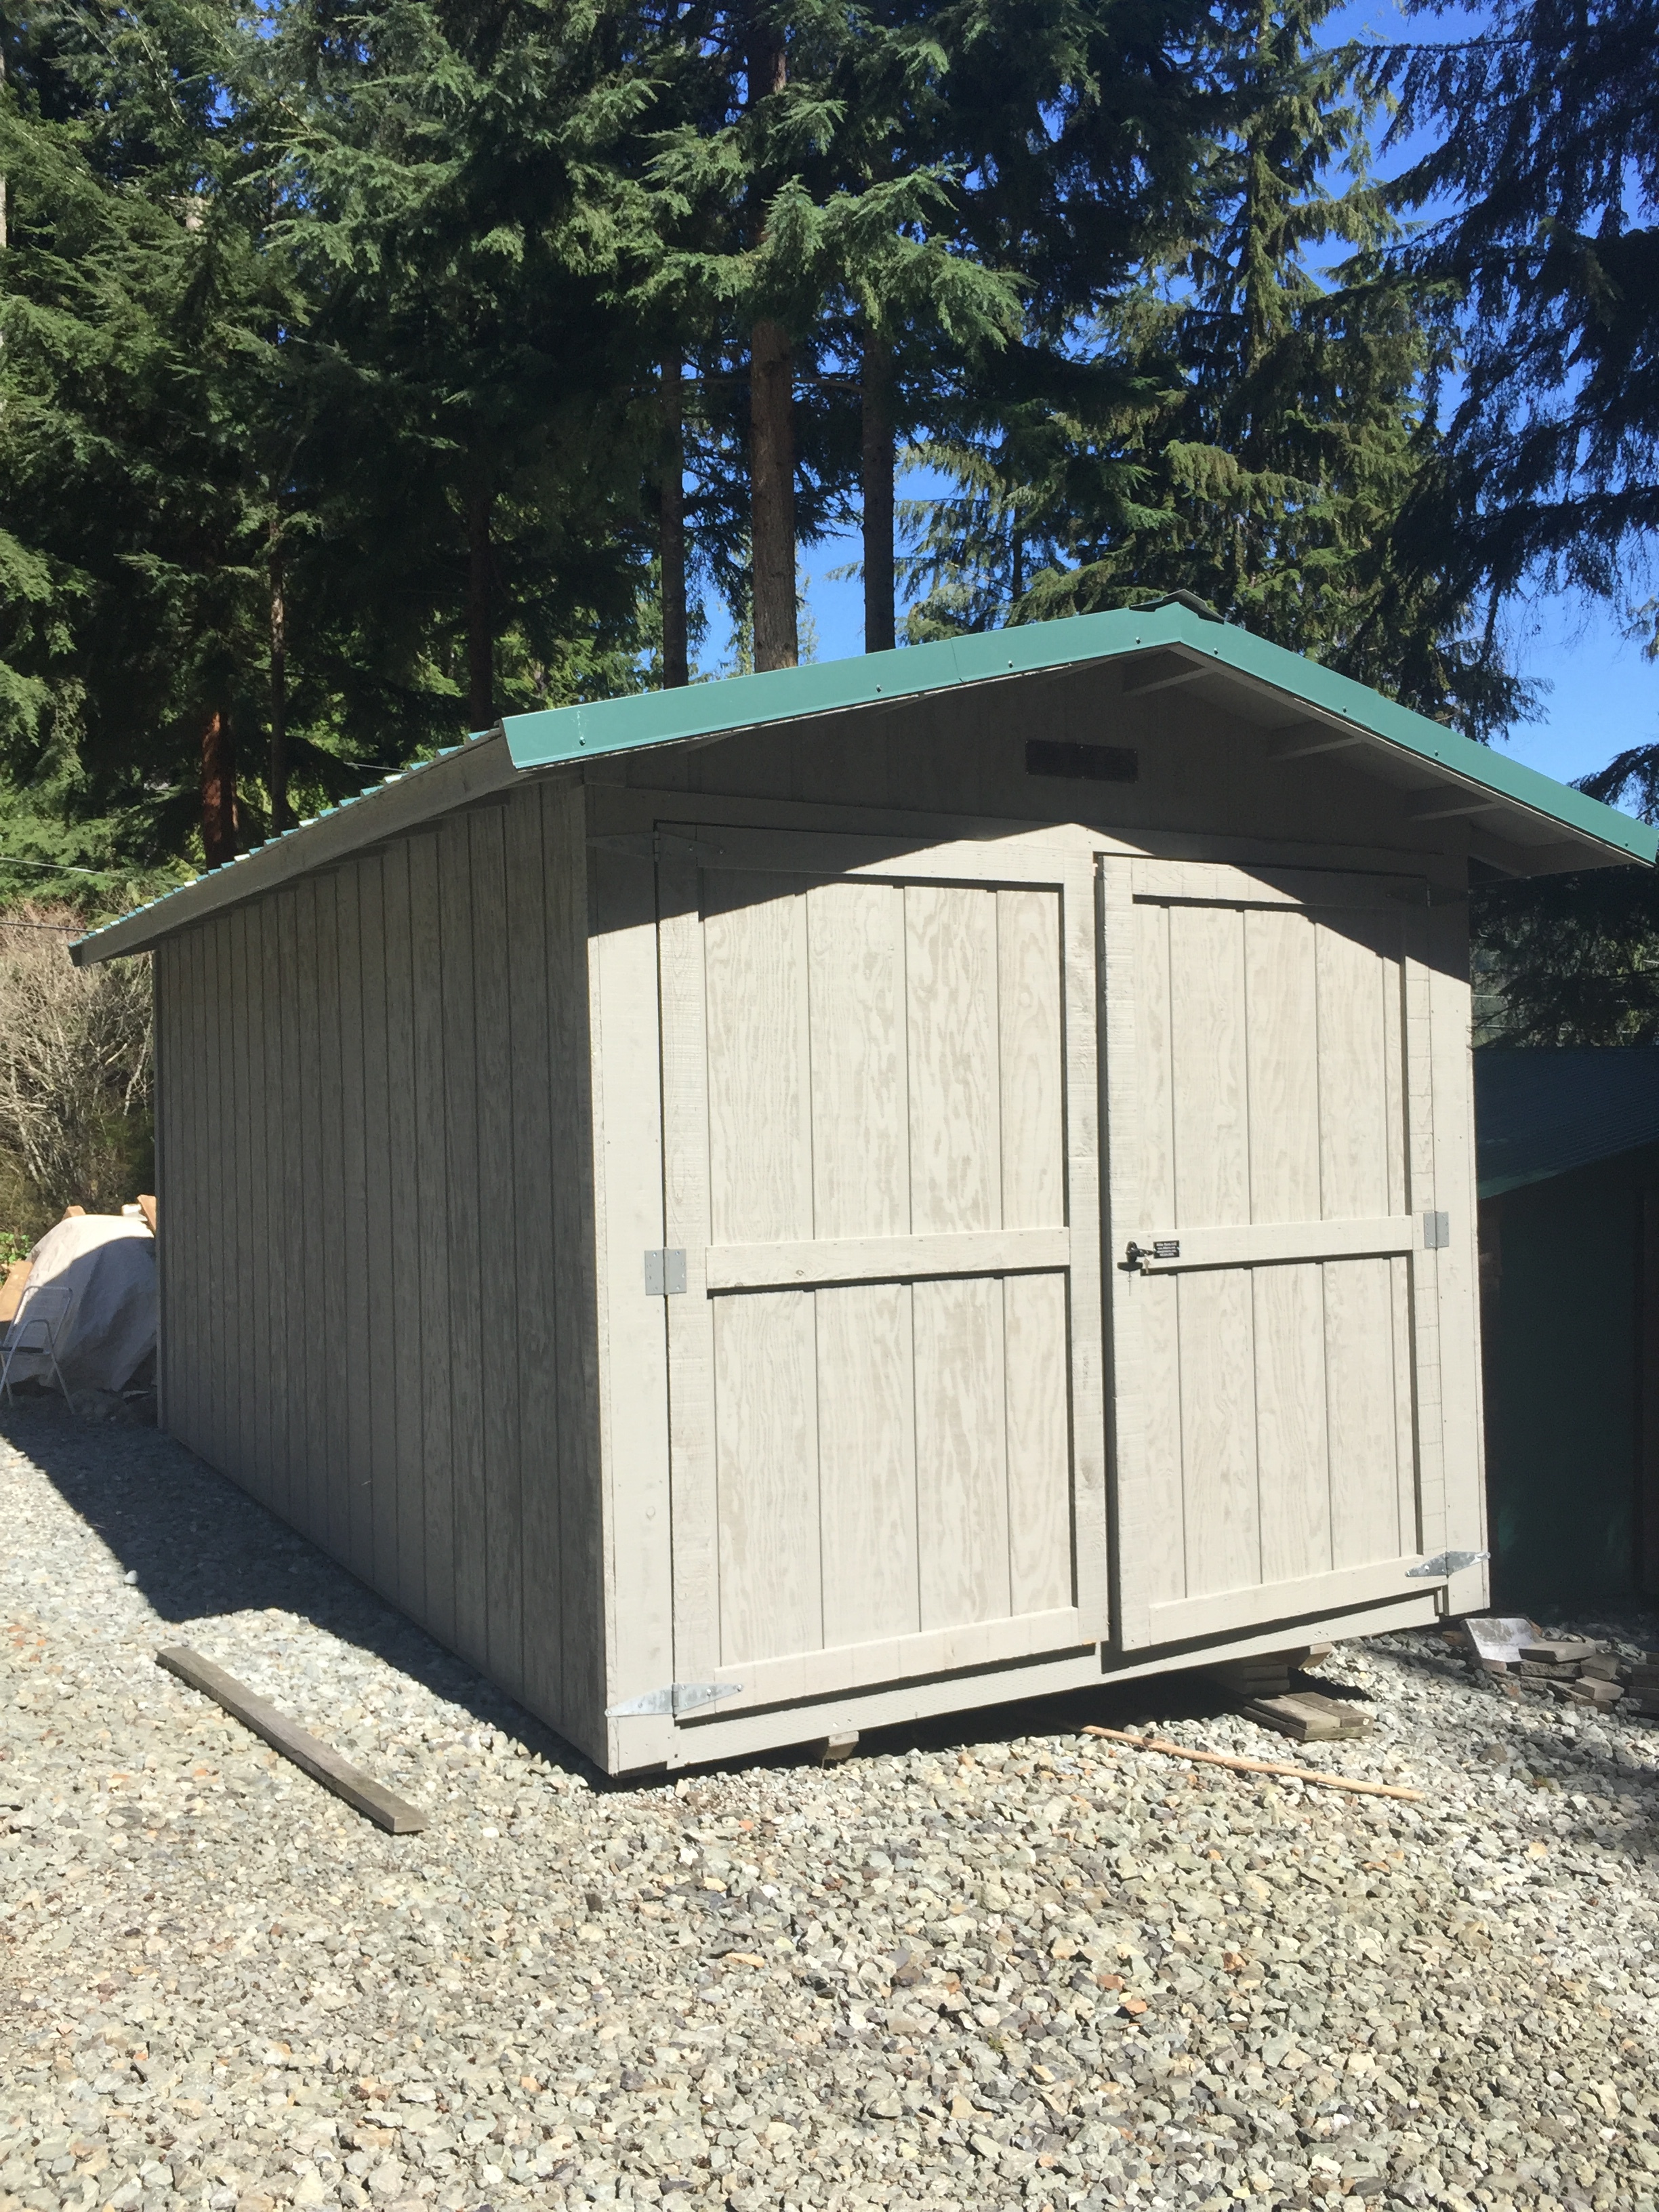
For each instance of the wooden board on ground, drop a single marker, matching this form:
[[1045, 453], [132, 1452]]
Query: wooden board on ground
[[1309, 1718], [384, 1807]]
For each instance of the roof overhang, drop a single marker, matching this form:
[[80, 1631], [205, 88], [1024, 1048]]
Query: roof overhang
[[1520, 820]]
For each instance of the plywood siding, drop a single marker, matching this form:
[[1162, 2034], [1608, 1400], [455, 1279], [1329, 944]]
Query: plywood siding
[[1281, 1345], [872, 1083], [375, 1156]]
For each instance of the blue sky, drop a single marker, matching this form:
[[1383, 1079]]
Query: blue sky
[[1599, 694]]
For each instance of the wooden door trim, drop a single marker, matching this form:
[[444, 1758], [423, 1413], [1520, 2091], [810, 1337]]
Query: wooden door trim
[[1218, 1612], [1279, 883], [693, 1502], [1253, 1243], [804, 1266], [894, 1659]]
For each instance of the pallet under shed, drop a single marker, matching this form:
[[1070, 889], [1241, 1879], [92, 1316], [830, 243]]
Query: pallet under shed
[[796, 1203]]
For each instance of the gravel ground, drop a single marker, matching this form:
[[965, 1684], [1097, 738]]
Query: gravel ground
[[991, 1963]]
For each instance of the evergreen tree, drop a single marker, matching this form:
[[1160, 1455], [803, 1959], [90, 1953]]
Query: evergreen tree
[[1548, 150], [477, 409], [805, 223], [135, 320]]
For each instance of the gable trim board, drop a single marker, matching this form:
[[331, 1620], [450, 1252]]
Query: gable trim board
[[905, 1429], [1561, 827]]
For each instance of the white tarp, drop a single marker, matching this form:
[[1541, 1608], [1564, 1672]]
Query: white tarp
[[109, 1262]]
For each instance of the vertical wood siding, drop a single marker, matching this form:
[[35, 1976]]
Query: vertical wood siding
[[376, 1159]]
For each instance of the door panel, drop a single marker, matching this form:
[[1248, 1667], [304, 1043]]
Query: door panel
[[869, 1073], [1265, 1132]]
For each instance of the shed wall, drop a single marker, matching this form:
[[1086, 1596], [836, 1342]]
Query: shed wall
[[375, 1160]]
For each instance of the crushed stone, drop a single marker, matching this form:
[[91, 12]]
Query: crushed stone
[[990, 1962]]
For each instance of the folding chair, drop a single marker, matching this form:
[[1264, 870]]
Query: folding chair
[[40, 1318]]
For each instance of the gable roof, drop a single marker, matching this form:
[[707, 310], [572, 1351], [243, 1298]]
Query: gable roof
[[1181, 643], [1541, 1112]]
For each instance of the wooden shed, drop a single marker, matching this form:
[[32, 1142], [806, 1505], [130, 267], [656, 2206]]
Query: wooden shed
[[779, 1207]]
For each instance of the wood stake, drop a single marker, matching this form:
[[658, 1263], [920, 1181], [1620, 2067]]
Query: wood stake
[[1258, 1765], [387, 1810]]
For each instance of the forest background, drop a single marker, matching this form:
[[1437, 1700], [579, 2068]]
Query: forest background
[[369, 369]]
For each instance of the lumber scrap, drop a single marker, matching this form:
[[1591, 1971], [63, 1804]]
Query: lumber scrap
[[11, 1292], [382, 1806], [1257, 1765]]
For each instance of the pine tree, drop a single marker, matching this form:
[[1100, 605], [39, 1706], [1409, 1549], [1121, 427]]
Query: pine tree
[[135, 318], [479, 413], [807, 229], [1297, 425]]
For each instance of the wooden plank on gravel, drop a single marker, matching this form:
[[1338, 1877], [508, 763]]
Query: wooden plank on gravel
[[1258, 1765], [386, 1809]]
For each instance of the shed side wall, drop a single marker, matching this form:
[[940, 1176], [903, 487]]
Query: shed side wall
[[378, 1305]]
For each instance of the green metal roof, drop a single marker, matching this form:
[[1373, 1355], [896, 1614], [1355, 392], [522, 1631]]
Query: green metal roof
[[572, 734], [783, 694]]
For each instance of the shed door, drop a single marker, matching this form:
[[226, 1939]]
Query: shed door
[[1267, 1045], [886, 1426]]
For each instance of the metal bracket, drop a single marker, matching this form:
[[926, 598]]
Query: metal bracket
[[1437, 1231], [677, 1698], [664, 1274], [1443, 1564]]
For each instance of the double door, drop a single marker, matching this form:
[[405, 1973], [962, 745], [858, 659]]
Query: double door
[[898, 1385]]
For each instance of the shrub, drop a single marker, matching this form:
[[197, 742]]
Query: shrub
[[75, 1071]]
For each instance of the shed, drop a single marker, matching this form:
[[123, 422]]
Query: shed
[[1567, 1154], [779, 1207]]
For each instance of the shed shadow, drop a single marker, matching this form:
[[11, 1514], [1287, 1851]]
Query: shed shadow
[[199, 1547]]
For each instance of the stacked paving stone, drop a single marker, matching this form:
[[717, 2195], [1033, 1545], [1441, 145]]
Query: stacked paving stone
[[1583, 1671]]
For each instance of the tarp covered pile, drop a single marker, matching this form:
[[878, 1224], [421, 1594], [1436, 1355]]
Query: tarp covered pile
[[108, 1261]]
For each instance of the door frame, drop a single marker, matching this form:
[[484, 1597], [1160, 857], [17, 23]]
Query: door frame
[[684, 852]]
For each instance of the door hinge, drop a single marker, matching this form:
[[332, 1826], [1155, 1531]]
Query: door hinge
[[1437, 1231], [677, 1698], [1443, 1564], [664, 1274]]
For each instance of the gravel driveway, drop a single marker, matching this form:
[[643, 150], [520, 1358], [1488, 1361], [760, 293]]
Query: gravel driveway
[[990, 1963]]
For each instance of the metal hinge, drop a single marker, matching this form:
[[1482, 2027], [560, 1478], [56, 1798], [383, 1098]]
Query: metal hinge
[[1437, 1231], [1443, 1564], [664, 1274], [677, 1698]]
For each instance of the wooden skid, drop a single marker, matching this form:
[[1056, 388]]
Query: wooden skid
[[382, 1806]]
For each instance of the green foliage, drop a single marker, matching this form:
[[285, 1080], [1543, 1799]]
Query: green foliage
[[1547, 147], [1569, 960], [1243, 428]]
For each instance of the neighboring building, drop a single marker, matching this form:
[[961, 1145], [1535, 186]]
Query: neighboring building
[[1568, 1150], [778, 1207]]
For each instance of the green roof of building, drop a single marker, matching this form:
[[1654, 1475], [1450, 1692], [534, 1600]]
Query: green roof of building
[[633, 724]]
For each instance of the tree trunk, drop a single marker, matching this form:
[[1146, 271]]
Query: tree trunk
[[771, 419], [876, 460], [772, 496], [671, 533], [278, 776], [1015, 568], [218, 790], [480, 630]]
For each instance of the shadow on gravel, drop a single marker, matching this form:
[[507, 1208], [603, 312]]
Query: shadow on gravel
[[199, 1548]]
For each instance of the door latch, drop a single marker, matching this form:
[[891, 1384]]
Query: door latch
[[1165, 1248]]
